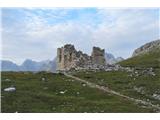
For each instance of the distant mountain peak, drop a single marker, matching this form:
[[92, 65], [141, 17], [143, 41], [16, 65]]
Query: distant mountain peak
[[110, 59], [7, 65], [29, 65]]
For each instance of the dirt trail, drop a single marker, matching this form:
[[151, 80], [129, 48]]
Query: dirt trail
[[105, 89]]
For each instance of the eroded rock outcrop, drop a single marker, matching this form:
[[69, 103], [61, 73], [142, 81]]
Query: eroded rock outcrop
[[147, 47], [69, 58]]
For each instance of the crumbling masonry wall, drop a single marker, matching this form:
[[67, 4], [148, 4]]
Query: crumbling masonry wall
[[68, 58], [98, 56]]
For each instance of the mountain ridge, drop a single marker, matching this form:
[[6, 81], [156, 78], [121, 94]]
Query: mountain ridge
[[29, 65], [111, 59], [148, 55], [146, 47], [45, 65]]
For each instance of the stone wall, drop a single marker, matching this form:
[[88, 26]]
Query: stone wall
[[69, 58], [98, 56]]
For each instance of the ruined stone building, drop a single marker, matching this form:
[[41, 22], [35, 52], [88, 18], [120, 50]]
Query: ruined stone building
[[69, 58]]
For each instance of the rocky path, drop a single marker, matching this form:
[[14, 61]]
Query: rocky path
[[105, 89]]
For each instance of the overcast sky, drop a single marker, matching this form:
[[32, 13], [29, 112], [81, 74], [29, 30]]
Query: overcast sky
[[37, 33]]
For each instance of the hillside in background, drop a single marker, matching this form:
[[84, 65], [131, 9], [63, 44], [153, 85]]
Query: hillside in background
[[147, 55]]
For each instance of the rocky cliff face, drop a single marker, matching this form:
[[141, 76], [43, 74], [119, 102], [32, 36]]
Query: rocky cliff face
[[147, 47], [68, 57]]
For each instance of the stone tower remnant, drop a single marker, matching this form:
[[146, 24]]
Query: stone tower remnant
[[98, 56], [69, 58]]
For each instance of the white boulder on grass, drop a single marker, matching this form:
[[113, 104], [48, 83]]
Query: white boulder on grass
[[62, 92], [7, 80], [156, 96], [10, 89], [43, 79], [45, 88]]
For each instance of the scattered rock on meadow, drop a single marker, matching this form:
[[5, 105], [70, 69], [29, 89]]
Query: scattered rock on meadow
[[156, 96], [43, 79], [10, 89], [7, 80], [45, 88], [62, 92]]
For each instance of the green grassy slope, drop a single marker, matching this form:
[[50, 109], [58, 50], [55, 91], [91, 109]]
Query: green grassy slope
[[149, 59], [143, 86], [122, 82], [35, 95]]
